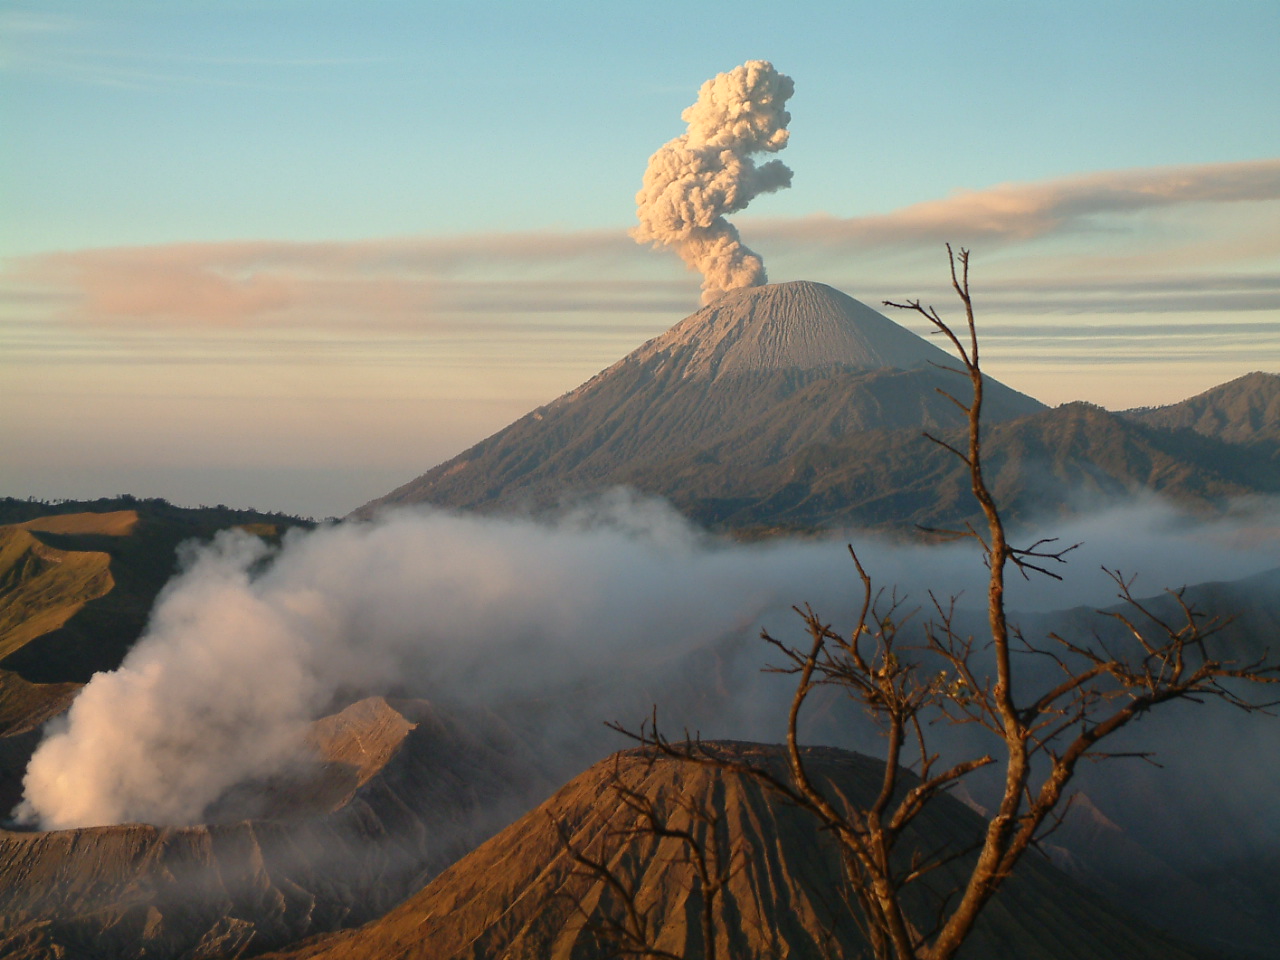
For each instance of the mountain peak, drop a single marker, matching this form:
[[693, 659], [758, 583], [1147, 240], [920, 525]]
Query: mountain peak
[[745, 382], [798, 325]]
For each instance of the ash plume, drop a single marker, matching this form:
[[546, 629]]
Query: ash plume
[[247, 646], [707, 172]]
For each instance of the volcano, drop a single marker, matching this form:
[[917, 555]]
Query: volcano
[[522, 894], [766, 370]]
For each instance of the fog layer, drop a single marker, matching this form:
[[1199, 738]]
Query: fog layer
[[247, 646]]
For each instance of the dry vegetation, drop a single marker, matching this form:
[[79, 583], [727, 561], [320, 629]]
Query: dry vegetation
[[1038, 732]]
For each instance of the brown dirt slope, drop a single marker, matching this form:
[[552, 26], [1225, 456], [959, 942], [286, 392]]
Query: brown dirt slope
[[25, 706], [115, 523], [518, 896], [400, 792], [41, 586]]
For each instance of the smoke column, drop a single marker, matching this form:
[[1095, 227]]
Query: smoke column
[[699, 177]]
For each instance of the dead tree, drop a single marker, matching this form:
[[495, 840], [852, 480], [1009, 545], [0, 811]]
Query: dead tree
[[1040, 732]]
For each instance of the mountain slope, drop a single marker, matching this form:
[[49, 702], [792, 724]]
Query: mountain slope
[[409, 786], [799, 361], [400, 791], [77, 580], [520, 895], [787, 326], [1244, 410], [42, 587], [1073, 457], [1190, 843]]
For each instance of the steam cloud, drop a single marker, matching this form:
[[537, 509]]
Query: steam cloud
[[246, 647], [699, 177]]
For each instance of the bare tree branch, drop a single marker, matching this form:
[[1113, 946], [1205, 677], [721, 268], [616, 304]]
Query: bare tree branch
[[1101, 687]]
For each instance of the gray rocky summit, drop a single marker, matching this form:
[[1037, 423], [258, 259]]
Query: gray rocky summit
[[789, 326]]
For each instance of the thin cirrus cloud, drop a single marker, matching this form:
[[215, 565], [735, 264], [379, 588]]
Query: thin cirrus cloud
[[1029, 211], [57, 45], [422, 281], [1205, 293], [425, 282], [17, 22]]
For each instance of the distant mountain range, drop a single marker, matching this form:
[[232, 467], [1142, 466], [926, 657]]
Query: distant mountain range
[[1053, 463], [793, 407], [1244, 411]]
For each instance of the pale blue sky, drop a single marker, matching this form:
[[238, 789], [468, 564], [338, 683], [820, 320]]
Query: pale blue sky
[[376, 231], [135, 122]]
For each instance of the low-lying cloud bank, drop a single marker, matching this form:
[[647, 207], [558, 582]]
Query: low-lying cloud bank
[[247, 646]]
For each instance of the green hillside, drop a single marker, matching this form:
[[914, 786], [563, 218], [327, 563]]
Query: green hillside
[[42, 587], [78, 578]]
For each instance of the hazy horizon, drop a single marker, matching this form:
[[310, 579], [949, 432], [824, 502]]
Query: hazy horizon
[[292, 256]]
